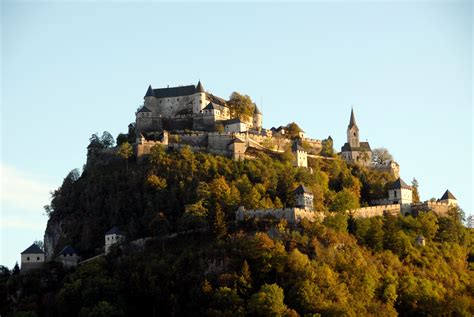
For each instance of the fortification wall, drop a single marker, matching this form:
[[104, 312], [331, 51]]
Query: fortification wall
[[292, 215], [204, 123], [178, 123], [440, 209], [374, 211]]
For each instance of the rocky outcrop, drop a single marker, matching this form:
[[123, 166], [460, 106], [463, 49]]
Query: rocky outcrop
[[51, 237]]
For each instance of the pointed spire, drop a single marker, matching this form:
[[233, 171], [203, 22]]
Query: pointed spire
[[352, 122], [149, 92], [256, 110], [199, 87], [447, 195]]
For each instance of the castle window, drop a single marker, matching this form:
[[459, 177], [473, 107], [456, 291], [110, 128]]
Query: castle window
[[27, 258], [37, 258], [177, 99], [161, 101]]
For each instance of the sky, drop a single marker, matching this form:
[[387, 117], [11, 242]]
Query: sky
[[72, 69]]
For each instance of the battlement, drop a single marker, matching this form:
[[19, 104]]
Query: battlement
[[292, 215], [374, 211]]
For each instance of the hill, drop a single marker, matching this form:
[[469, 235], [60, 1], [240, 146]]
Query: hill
[[217, 267]]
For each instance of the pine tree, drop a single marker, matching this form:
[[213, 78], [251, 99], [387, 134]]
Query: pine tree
[[415, 194], [219, 225]]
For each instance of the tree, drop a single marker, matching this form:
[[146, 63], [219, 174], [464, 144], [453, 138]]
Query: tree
[[16, 269], [39, 243], [293, 130], [107, 140], [415, 193], [122, 138], [241, 106], [327, 147], [268, 301], [218, 224], [345, 200], [381, 155], [125, 151]]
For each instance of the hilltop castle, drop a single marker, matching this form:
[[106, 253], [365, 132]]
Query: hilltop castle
[[354, 151], [190, 107]]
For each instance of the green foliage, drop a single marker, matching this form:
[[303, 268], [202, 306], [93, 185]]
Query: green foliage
[[201, 262], [415, 193], [268, 301], [241, 106]]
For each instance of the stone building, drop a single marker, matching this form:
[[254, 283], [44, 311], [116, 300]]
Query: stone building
[[68, 256], [303, 209], [32, 258], [304, 197], [354, 151], [186, 107], [300, 155], [448, 198], [112, 237]]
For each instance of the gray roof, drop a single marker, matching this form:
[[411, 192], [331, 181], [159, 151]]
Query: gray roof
[[33, 249], [174, 91], [398, 184], [144, 109], [199, 87], [114, 230], [302, 189], [364, 147], [447, 195], [149, 92], [256, 110], [297, 147], [68, 250], [212, 105], [352, 121]]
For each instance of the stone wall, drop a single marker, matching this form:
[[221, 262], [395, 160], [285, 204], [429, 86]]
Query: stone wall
[[439, 208], [292, 215], [375, 211]]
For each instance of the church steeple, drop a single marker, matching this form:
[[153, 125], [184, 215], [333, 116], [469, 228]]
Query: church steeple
[[352, 121], [353, 132]]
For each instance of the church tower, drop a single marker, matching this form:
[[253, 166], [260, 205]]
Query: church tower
[[353, 132]]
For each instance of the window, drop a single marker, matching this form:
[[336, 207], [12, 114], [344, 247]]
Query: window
[[27, 258], [177, 99], [37, 258], [395, 194]]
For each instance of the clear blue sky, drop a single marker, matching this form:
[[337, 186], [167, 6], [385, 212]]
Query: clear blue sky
[[69, 70]]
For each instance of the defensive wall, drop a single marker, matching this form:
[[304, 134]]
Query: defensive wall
[[440, 209], [374, 211], [292, 215]]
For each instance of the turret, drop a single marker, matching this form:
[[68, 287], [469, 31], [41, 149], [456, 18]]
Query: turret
[[400, 193], [199, 98], [353, 132], [257, 118], [300, 155], [149, 96], [448, 198], [303, 197]]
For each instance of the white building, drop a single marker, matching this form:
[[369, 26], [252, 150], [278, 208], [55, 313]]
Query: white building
[[400, 193], [448, 198], [235, 125], [32, 258], [113, 236], [304, 197], [300, 154]]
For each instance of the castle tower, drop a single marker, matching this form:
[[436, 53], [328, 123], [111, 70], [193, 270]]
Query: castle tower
[[257, 118], [301, 156], [199, 98], [400, 193], [149, 97], [303, 197], [353, 132], [448, 198]]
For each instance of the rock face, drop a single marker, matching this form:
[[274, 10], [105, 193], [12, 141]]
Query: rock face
[[51, 237]]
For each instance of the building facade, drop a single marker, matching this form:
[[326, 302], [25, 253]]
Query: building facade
[[354, 151], [32, 258]]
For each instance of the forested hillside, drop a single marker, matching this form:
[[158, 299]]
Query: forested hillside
[[216, 267]]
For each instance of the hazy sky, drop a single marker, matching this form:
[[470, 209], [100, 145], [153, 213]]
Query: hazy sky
[[70, 70]]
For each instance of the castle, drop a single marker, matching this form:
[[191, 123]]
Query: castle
[[190, 116], [190, 107]]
